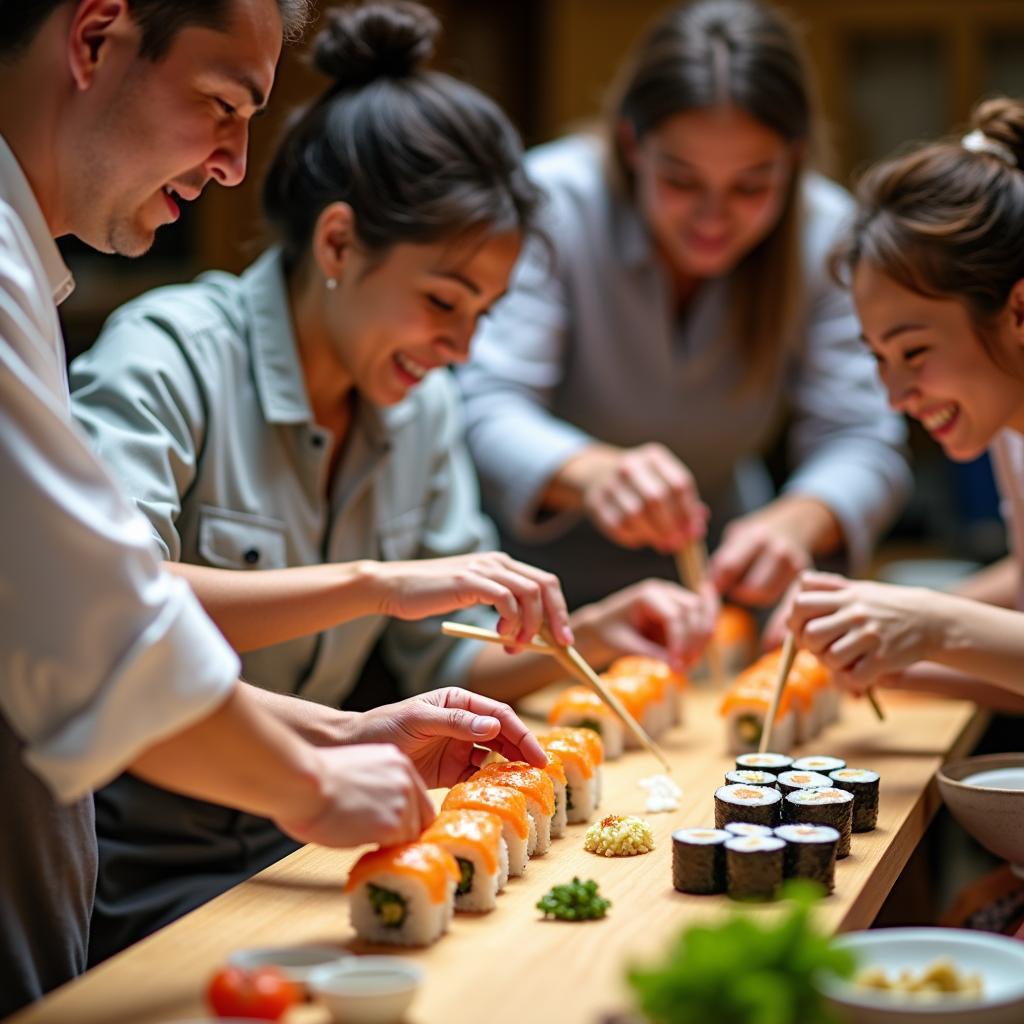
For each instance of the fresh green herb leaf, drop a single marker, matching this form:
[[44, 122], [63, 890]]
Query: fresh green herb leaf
[[577, 901]]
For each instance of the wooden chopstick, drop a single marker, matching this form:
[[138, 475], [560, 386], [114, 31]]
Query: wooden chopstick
[[691, 564], [873, 701], [466, 632], [785, 664], [574, 663]]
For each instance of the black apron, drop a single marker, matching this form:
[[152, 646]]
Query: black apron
[[47, 881]]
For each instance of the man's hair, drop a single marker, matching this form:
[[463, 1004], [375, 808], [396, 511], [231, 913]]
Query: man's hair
[[159, 20]]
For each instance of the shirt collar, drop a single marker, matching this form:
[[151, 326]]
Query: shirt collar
[[17, 192], [275, 355]]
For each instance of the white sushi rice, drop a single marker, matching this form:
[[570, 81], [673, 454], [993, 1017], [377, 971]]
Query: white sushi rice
[[425, 922], [486, 884], [583, 792], [560, 818], [818, 763], [611, 731]]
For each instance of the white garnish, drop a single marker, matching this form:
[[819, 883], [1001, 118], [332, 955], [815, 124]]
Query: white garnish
[[662, 794]]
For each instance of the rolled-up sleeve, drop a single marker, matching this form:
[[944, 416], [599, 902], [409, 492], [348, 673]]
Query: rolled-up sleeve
[[518, 361], [136, 396], [421, 655], [847, 444], [103, 653]]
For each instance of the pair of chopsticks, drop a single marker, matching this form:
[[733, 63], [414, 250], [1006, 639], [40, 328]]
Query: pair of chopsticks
[[692, 566], [575, 664], [785, 665]]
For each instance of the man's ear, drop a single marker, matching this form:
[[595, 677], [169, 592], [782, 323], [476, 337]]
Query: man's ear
[[334, 238], [95, 27]]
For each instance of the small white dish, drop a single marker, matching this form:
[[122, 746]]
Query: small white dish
[[998, 959], [295, 962], [367, 989]]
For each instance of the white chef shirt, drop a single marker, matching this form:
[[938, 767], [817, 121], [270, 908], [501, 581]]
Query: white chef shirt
[[102, 653]]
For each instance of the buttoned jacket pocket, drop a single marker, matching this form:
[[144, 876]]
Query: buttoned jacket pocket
[[240, 540]]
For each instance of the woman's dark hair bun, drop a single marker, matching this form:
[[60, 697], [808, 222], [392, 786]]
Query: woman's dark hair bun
[[375, 40], [1002, 119]]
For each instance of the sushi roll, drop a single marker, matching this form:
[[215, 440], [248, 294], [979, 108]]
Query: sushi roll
[[823, 807], [863, 784], [580, 708], [745, 708], [767, 762], [671, 684], [536, 787], [474, 839], [791, 781], [753, 867], [403, 895], [509, 805], [582, 754], [556, 773], [749, 777], [698, 860], [810, 853], [642, 697], [748, 828], [756, 804], [735, 634], [818, 763]]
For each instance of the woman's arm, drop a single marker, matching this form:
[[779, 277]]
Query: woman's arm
[[927, 677], [996, 584]]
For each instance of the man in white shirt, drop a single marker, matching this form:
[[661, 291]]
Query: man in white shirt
[[113, 111]]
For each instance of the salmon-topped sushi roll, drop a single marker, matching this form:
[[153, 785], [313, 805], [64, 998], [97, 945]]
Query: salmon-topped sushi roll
[[735, 635], [538, 789], [403, 895], [509, 805], [556, 773], [579, 707], [582, 755], [642, 698], [474, 839], [745, 709], [672, 684]]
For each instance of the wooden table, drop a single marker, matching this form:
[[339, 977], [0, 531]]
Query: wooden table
[[510, 966]]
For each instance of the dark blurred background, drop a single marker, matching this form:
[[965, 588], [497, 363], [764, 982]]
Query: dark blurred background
[[888, 72]]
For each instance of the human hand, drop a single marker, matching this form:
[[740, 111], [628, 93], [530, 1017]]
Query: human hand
[[654, 618], [525, 597], [368, 793], [862, 630], [642, 496], [442, 732]]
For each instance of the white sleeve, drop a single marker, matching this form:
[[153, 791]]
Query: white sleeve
[[102, 653]]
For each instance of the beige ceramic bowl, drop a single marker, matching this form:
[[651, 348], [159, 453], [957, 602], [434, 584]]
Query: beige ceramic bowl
[[986, 795]]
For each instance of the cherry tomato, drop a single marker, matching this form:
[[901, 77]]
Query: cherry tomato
[[264, 994]]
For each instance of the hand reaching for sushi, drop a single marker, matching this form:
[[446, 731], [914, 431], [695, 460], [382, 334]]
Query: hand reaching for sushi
[[442, 731], [637, 497], [654, 618], [524, 596], [860, 629]]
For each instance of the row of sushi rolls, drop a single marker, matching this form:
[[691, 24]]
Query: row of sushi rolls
[[774, 818]]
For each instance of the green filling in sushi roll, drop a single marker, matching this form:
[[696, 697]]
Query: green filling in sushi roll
[[568, 799], [389, 906], [466, 870], [589, 723], [748, 729]]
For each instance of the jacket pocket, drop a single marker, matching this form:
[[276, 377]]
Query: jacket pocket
[[400, 537], [239, 540]]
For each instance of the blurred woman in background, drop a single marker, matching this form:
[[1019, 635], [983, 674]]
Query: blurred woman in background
[[642, 368]]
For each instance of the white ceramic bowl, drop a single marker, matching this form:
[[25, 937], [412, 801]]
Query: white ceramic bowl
[[998, 959], [295, 962], [367, 989]]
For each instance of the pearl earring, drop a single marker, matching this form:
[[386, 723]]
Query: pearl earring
[[332, 283]]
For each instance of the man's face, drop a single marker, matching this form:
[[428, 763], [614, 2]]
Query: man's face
[[147, 135]]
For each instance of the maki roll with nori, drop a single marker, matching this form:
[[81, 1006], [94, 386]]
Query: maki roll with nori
[[749, 777], [810, 853], [791, 781], [403, 895], [819, 763], [863, 784], [698, 860], [760, 805], [766, 762], [748, 828], [753, 867], [823, 807]]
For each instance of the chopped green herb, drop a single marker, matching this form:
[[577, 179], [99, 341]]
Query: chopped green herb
[[466, 880], [387, 905], [577, 901]]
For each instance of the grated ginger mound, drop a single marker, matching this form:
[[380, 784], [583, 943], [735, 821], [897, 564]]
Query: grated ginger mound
[[618, 836]]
